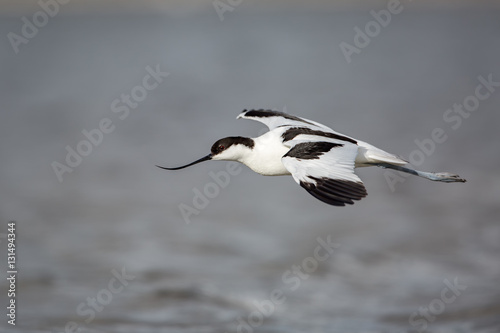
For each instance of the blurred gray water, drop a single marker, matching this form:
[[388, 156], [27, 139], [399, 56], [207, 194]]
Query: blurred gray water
[[116, 211]]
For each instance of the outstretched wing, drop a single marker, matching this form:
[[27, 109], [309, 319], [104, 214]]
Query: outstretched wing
[[274, 119], [320, 159], [325, 168]]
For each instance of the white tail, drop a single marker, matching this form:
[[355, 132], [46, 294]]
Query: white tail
[[369, 155]]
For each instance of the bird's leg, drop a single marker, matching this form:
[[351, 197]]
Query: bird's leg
[[435, 176]]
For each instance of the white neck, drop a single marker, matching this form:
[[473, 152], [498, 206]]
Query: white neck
[[265, 157]]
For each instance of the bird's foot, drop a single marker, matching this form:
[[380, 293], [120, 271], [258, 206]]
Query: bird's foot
[[447, 177]]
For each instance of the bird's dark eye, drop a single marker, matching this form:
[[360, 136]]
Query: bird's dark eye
[[221, 147]]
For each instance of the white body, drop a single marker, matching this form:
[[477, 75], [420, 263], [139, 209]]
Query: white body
[[266, 157]]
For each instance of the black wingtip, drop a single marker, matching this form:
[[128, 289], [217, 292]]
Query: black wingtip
[[335, 192]]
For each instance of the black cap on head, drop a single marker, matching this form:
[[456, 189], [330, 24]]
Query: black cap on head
[[222, 144]]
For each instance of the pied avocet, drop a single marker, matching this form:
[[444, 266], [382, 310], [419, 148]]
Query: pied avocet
[[319, 159]]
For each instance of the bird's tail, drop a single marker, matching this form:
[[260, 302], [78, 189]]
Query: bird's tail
[[369, 155]]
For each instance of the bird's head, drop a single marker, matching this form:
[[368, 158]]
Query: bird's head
[[232, 148]]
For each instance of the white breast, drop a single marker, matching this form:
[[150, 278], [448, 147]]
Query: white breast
[[265, 157]]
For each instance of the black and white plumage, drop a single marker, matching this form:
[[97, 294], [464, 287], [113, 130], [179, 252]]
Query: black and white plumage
[[319, 159]]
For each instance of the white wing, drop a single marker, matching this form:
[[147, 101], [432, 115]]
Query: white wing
[[274, 119], [320, 159], [325, 168]]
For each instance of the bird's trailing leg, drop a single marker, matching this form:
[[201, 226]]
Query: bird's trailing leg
[[435, 176]]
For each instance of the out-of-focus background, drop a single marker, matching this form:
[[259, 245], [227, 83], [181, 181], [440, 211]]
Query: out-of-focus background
[[95, 93]]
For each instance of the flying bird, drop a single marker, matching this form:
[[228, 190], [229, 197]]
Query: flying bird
[[318, 158]]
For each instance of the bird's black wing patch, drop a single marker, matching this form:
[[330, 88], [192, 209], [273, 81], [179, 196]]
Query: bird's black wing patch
[[261, 113], [311, 150], [292, 132], [336, 192]]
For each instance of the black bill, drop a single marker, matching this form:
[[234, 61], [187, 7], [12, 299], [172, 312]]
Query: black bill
[[206, 158]]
